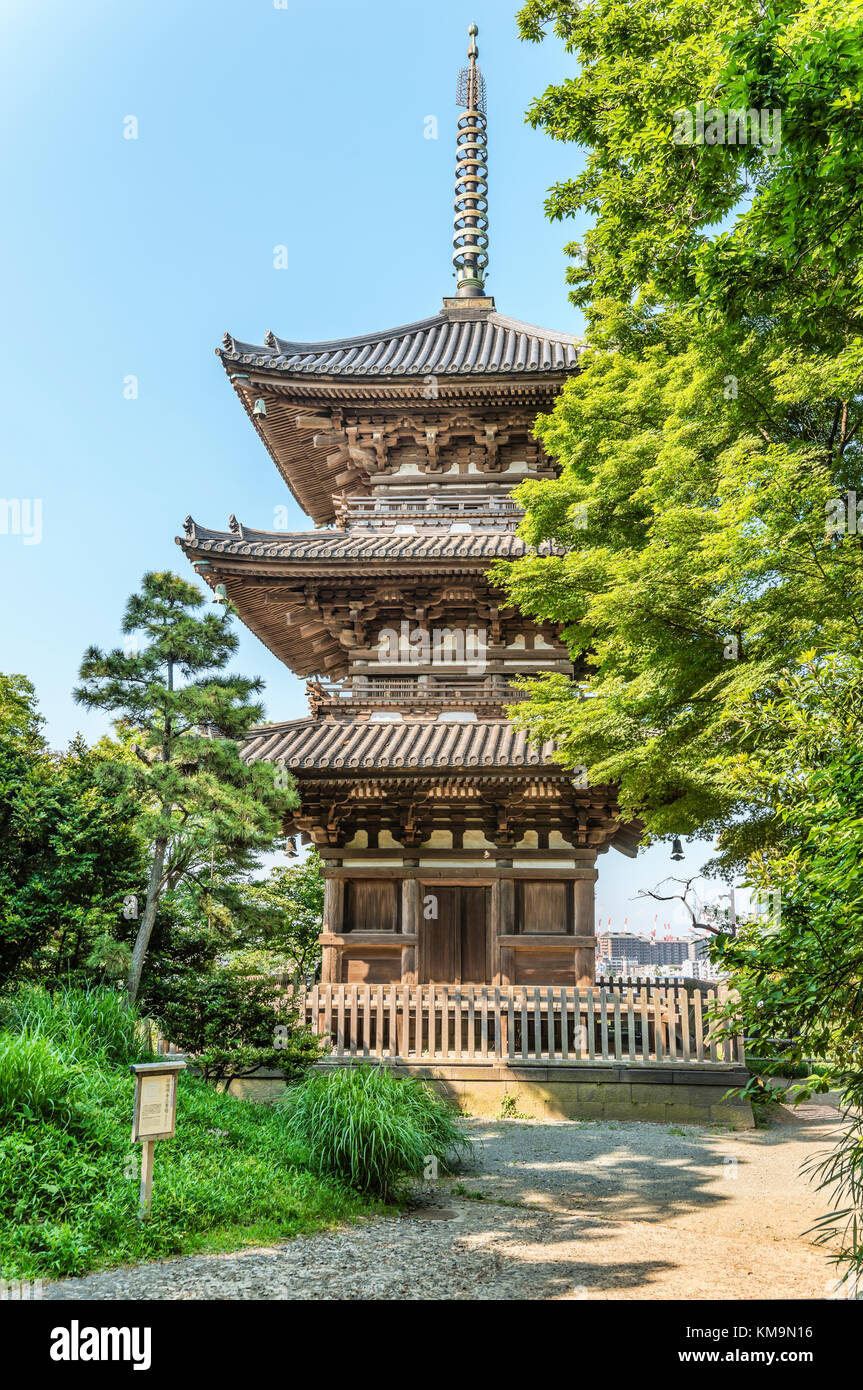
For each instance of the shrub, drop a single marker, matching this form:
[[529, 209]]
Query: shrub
[[233, 1024], [841, 1174], [783, 1068], [372, 1128]]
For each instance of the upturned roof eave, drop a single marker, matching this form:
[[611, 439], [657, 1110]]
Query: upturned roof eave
[[408, 745], [328, 546], [273, 350]]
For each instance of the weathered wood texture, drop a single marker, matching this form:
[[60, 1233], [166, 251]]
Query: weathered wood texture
[[455, 944], [372, 904], [544, 906]]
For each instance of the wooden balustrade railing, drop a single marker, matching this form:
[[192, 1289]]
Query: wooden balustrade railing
[[522, 1023], [438, 505], [410, 688]]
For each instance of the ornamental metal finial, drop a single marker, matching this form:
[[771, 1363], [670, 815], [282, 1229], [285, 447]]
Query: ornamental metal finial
[[470, 238]]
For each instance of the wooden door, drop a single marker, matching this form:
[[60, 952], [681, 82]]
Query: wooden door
[[473, 933], [454, 945], [440, 951]]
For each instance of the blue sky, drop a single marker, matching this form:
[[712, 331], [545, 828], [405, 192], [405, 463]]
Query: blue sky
[[257, 127]]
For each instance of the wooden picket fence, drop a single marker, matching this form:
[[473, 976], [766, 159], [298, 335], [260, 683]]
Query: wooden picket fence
[[522, 1023]]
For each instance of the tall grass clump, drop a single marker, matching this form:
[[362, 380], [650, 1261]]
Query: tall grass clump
[[36, 1081], [93, 1024], [373, 1129]]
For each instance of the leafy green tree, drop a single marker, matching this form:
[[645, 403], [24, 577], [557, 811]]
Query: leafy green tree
[[23, 780], [289, 904], [198, 800], [224, 965], [798, 967], [651, 199], [69, 847], [693, 563], [658, 201], [705, 552], [98, 855], [715, 430]]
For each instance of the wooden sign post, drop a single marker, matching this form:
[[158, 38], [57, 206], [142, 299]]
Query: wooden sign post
[[155, 1116]]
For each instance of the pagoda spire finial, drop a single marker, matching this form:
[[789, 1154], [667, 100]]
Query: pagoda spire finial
[[470, 238]]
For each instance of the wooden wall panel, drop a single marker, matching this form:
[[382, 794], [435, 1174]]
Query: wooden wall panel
[[372, 904], [544, 968], [377, 969], [544, 906], [454, 947], [440, 938], [475, 965]]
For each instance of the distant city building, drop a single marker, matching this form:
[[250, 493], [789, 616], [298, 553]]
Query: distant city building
[[624, 946], [673, 952], [702, 970], [644, 950]]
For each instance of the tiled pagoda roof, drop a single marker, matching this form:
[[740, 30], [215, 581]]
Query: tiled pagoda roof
[[450, 342], [354, 545], [453, 753], [327, 745]]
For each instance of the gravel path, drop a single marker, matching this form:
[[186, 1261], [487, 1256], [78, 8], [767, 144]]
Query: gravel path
[[552, 1210]]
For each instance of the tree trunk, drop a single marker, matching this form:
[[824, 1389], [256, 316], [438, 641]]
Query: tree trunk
[[142, 940]]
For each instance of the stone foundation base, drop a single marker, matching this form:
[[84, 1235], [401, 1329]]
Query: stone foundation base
[[604, 1091]]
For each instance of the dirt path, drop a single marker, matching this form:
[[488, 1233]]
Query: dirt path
[[553, 1210]]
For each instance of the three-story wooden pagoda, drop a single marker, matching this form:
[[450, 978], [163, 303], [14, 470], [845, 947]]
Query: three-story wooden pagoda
[[453, 850]]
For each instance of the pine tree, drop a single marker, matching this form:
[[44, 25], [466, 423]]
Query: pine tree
[[198, 798]]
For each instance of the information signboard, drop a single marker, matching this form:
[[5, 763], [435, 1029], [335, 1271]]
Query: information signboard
[[154, 1116], [156, 1106]]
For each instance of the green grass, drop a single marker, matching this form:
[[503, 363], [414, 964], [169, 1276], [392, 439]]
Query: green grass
[[373, 1129], [231, 1176]]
